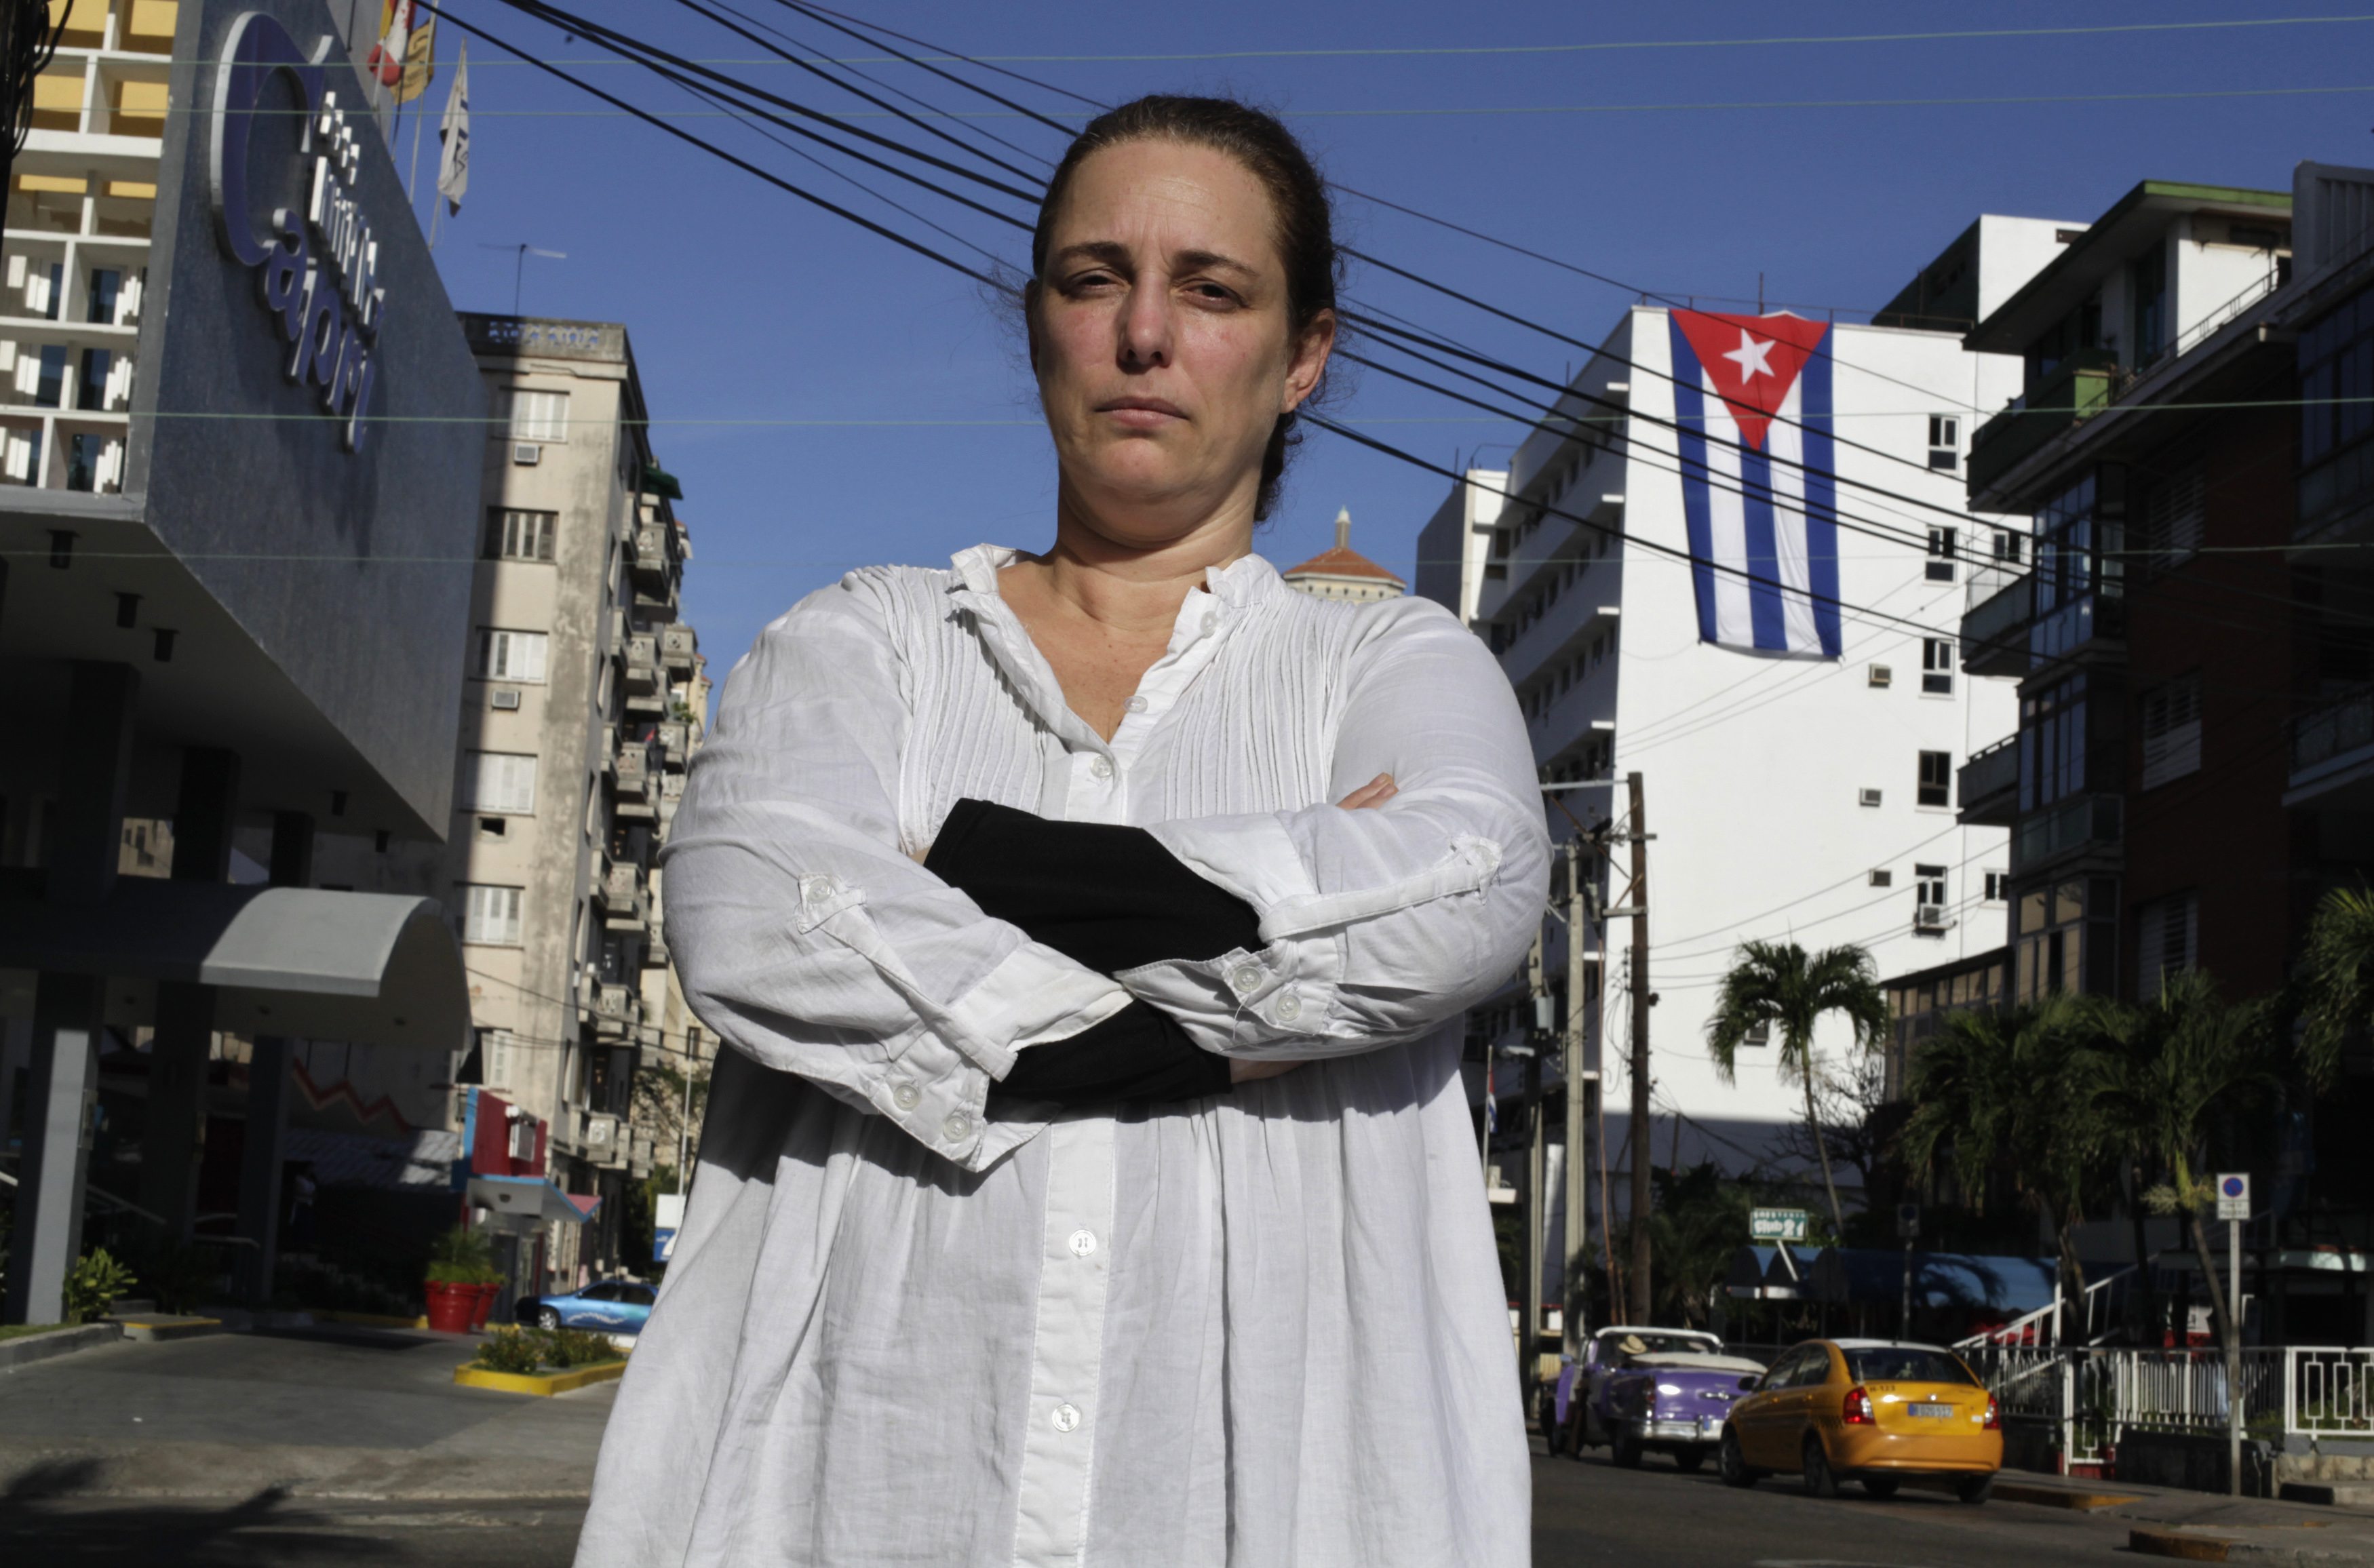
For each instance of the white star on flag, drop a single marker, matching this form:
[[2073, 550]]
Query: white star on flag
[[1753, 358]]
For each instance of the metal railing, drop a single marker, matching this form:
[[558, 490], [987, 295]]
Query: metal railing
[[2328, 1391], [2092, 1397], [2342, 725]]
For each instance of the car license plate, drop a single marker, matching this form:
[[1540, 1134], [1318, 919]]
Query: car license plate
[[1932, 1412]]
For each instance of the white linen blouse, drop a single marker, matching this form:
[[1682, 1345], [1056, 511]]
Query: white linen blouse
[[1261, 1329]]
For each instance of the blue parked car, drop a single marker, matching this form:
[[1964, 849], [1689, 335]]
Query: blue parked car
[[613, 1306]]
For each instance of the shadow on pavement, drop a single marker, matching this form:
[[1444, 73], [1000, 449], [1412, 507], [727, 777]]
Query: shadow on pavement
[[42, 1523]]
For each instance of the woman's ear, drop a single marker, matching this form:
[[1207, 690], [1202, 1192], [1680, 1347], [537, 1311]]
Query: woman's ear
[[1312, 348]]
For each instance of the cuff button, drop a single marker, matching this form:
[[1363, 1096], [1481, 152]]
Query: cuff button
[[906, 1096]]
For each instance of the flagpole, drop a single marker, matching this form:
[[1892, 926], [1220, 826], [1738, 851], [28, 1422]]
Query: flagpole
[[412, 175]]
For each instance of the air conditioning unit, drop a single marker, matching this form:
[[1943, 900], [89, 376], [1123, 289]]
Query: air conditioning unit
[[1930, 917], [1881, 675], [600, 1135], [1868, 797], [1883, 879], [527, 454], [504, 697]]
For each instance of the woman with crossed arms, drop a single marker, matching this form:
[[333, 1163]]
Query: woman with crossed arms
[[1091, 1180]]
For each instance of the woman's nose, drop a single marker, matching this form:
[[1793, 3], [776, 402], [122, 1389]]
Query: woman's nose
[[1146, 329]]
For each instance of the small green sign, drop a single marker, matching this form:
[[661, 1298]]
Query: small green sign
[[1777, 1224]]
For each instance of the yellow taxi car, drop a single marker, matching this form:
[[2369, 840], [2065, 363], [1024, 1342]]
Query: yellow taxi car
[[1869, 1411]]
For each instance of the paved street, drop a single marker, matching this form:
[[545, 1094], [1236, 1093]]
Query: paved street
[[351, 1448]]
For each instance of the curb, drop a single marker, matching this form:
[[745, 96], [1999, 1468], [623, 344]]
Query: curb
[[546, 1382], [30, 1348], [2058, 1496], [2149, 1542], [157, 1327]]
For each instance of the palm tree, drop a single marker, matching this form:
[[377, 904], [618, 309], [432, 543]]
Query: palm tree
[[2020, 1092], [1774, 986], [2337, 978], [2182, 1063]]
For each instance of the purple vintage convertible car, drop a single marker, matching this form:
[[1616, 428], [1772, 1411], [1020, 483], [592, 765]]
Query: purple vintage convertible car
[[1641, 1388]]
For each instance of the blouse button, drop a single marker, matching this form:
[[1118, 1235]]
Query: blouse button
[[1083, 1243], [1245, 977], [1290, 1008], [820, 890], [906, 1096], [1211, 619], [1101, 768], [959, 1127], [1066, 1417], [1135, 704]]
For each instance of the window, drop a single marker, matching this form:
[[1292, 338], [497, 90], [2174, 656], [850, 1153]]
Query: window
[[1760, 1036], [490, 914], [90, 386], [2336, 368], [2065, 940], [1929, 887], [1997, 889], [2172, 519], [2171, 721], [2147, 287], [2010, 546], [1937, 666], [2167, 932], [2080, 563], [106, 286], [1941, 555], [2052, 744], [1936, 778], [510, 656], [85, 451], [528, 416], [1945, 441], [502, 782], [495, 1059], [515, 535], [48, 390]]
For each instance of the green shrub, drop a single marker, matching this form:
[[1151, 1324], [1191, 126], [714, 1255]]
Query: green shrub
[[511, 1349], [96, 1280], [575, 1347]]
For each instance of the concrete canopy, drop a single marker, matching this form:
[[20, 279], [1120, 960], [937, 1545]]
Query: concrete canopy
[[371, 968]]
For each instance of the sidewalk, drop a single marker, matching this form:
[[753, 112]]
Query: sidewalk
[[329, 1412], [2203, 1527]]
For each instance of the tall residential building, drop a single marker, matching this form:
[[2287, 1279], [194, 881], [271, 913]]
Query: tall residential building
[[1343, 572], [2193, 768], [583, 703], [1797, 752]]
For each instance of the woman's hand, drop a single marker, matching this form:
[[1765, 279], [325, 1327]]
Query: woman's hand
[[1242, 1071], [1375, 792]]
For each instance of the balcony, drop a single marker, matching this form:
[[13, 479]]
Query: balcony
[[2077, 390], [679, 650], [673, 744], [624, 897], [634, 780], [655, 605], [642, 660], [2085, 822], [2333, 755], [1986, 786], [615, 1012], [652, 561], [1994, 629]]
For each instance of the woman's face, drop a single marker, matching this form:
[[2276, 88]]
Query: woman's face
[[1160, 336]]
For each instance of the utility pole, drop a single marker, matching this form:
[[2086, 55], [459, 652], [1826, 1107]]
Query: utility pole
[[1527, 1357], [1641, 999], [1578, 1078]]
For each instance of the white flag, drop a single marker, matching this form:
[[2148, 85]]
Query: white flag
[[453, 134]]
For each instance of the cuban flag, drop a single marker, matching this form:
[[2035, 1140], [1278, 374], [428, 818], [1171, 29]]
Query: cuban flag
[[1752, 395]]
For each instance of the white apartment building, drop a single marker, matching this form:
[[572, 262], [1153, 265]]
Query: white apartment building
[[1802, 791]]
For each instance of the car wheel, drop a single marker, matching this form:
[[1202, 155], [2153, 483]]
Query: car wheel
[[1881, 1486], [1625, 1449], [1553, 1433], [1975, 1489], [1689, 1459], [1733, 1462], [1820, 1479], [548, 1318]]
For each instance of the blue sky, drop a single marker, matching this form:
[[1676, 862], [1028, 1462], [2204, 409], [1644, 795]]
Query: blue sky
[[831, 401]]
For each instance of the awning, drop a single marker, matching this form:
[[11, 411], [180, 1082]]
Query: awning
[[1964, 1280], [529, 1198], [371, 968]]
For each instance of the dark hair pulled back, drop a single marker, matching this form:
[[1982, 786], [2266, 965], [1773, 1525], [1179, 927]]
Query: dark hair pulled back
[[1304, 220]]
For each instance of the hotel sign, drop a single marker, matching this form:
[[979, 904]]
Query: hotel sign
[[317, 271]]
